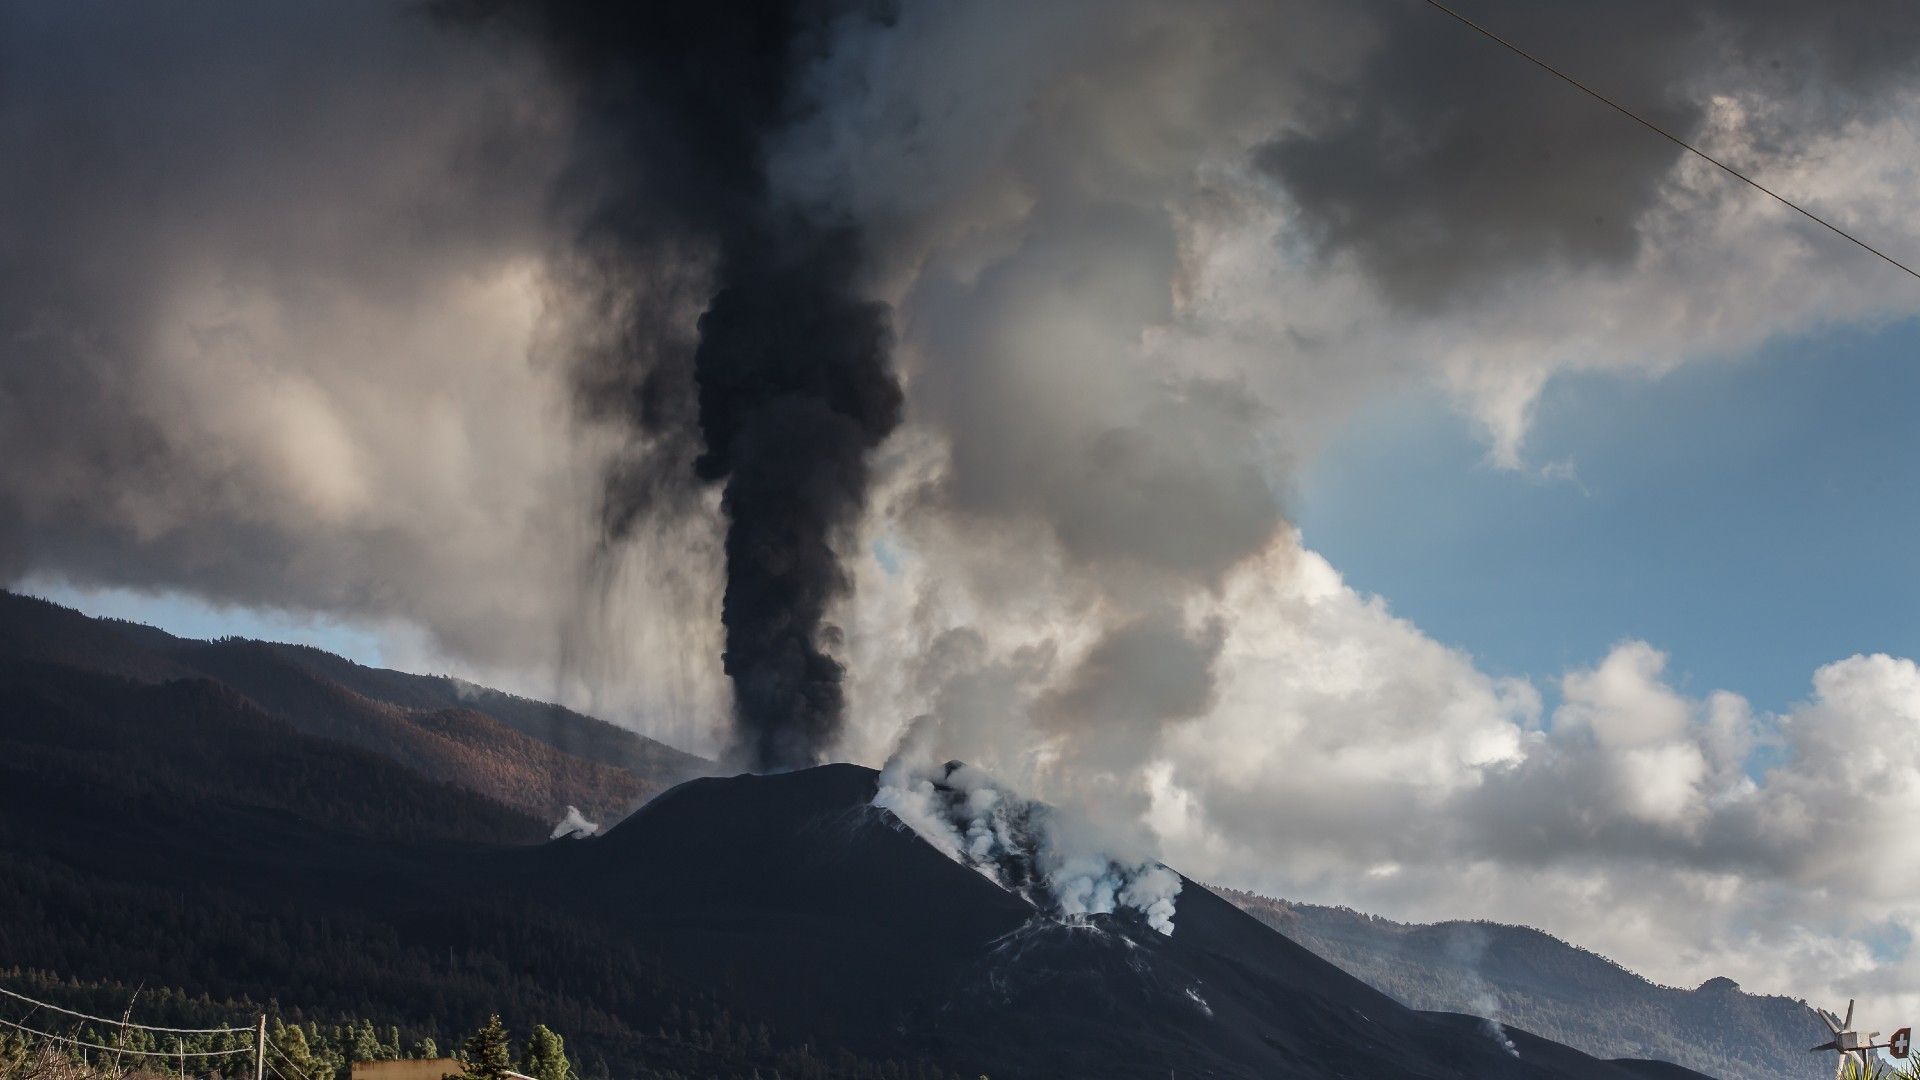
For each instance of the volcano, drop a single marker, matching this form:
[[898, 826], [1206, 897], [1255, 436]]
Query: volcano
[[167, 830], [814, 908]]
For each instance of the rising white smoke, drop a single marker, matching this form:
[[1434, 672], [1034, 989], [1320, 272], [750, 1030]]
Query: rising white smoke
[[1499, 1034], [1062, 866], [575, 825], [1469, 949]]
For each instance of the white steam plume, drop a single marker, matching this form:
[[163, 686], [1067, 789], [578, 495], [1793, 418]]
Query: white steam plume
[[1031, 849], [1499, 1034], [575, 825]]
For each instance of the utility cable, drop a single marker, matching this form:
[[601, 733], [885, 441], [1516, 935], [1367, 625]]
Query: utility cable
[[125, 1050], [298, 1072], [1675, 139], [126, 1023]]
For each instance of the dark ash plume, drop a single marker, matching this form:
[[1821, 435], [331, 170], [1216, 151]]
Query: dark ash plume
[[790, 383]]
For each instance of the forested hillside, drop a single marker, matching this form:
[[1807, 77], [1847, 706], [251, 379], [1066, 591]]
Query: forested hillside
[[533, 757]]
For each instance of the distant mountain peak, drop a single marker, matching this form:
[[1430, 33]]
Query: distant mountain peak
[[1552, 988]]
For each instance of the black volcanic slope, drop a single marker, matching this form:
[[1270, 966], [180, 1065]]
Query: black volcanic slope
[[174, 834], [816, 910]]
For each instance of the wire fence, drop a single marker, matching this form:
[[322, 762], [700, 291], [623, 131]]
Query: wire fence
[[271, 1058], [98, 1038], [123, 1022], [142, 1042], [168, 1054]]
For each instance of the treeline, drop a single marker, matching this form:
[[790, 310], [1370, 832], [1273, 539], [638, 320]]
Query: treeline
[[696, 1039]]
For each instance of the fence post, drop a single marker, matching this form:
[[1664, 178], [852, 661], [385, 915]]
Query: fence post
[[260, 1049]]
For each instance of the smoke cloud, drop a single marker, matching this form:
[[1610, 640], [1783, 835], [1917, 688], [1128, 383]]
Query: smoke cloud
[[789, 384], [1499, 1035], [267, 303], [1440, 195], [1061, 866]]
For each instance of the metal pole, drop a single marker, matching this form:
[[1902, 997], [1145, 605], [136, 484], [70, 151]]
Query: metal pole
[[181, 1046], [260, 1050]]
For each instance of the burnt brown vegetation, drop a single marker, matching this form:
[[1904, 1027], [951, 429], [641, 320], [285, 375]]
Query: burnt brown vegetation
[[529, 756]]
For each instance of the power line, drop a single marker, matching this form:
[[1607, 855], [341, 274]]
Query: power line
[[125, 1023], [126, 1050], [1675, 139], [298, 1072], [275, 1070]]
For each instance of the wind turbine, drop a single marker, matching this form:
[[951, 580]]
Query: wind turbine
[[1848, 1042]]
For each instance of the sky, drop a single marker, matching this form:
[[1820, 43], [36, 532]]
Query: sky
[[1331, 457], [187, 616], [1754, 515]]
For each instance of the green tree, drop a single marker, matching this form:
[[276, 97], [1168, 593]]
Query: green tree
[[545, 1057], [13, 1054], [426, 1049], [292, 1044], [366, 1044], [485, 1056]]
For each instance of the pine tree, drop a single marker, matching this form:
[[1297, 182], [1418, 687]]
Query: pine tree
[[484, 1056], [546, 1056], [292, 1044], [366, 1045], [426, 1049]]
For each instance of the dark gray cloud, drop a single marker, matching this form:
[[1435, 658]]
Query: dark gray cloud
[[1034, 369], [1148, 671], [226, 229], [1446, 164]]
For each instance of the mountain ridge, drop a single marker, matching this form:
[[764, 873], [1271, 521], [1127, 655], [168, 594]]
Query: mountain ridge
[[1557, 989], [537, 758]]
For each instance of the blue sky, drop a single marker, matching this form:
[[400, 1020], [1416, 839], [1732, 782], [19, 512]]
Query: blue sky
[[1754, 518], [192, 617]]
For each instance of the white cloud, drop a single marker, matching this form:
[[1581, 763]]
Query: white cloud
[[1353, 760]]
